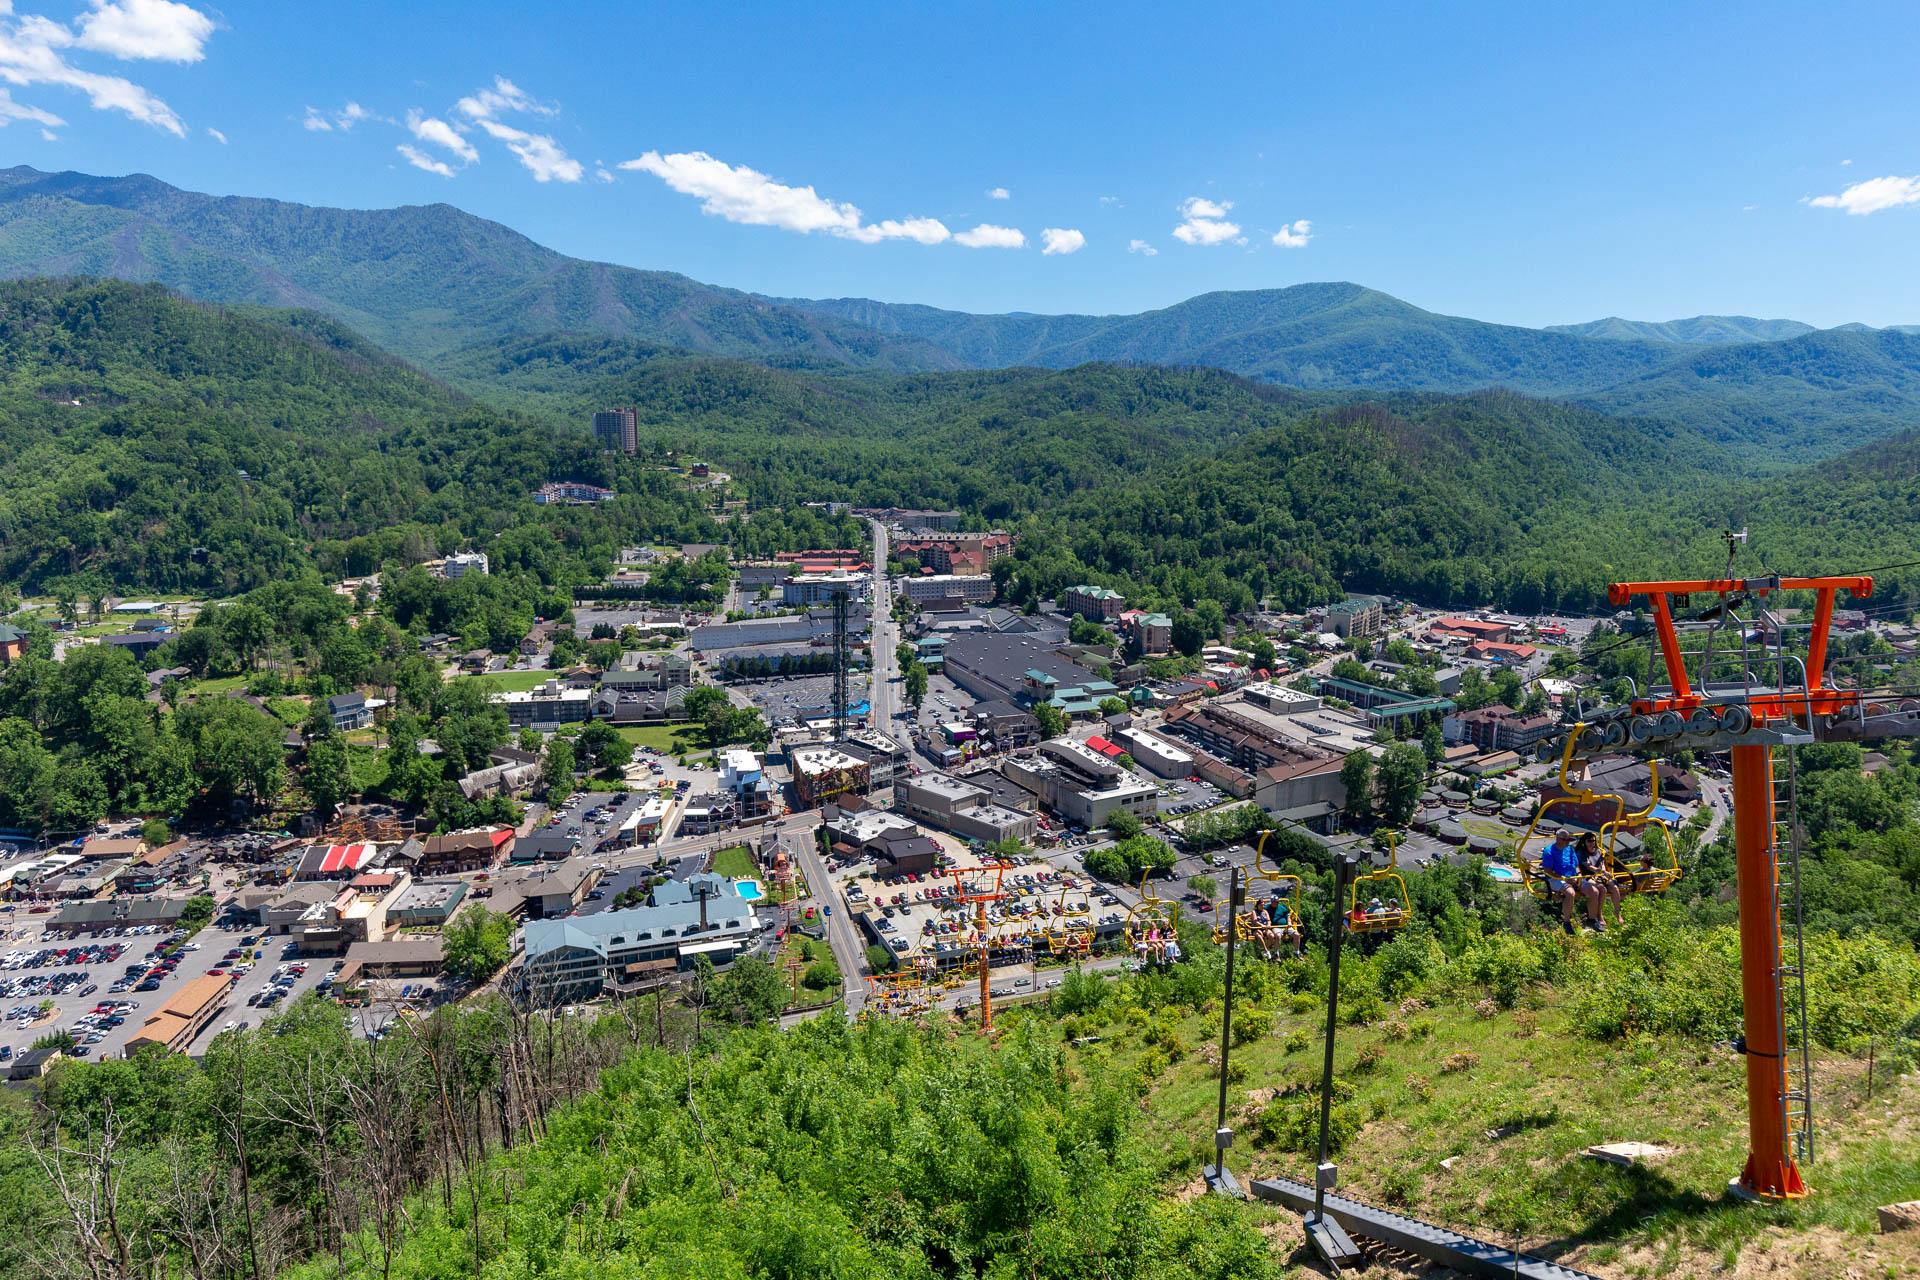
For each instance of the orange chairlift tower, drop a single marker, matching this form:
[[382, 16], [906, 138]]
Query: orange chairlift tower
[[978, 895], [1774, 698]]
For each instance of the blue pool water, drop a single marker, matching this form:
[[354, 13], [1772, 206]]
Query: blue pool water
[[1499, 872], [749, 889]]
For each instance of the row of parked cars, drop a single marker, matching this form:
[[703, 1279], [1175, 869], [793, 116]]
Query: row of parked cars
[[44, 984], [64, 957]]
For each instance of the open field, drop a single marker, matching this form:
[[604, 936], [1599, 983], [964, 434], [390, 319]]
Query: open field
[[674, 739], [513, 681], [734, 862]]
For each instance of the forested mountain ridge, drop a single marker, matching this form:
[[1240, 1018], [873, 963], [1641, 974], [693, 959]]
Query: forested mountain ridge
[[448, 289], [419, 280], [1693, 329], [172, 445]]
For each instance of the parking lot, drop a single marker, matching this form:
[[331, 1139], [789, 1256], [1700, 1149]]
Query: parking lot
[[791, 699], [76, 997]]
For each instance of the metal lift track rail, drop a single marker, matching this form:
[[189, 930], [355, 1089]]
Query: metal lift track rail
[[1437, 1244]]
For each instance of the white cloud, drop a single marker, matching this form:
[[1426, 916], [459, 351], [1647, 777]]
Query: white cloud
[[344, 119], [602, 174], [49, 135], [152, 29], [505, 95], [1294, 235], [999, 193], [1205, 222], [1873, 195], [988, 236], [1845, 163], [439, 133], [745, 195], [11, 110], [317, 122], [29, 46], [216, 135], [421, 160], [1061, 240], [1142, 248], [1110, 200], [350, 115], [543, 157]]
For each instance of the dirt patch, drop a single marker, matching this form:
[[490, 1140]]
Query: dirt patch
[[1826, 1252]]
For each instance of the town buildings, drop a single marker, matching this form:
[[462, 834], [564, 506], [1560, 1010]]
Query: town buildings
[[183, 1015], [547, 707], [1096, 604], [458, 566], [1356, 616], [947, 586], [955, 553], [580, 957], [956, 805], [823, 772], [1497, 728], [571, 493]]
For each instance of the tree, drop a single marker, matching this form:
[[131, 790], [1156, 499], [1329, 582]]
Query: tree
[[1261, 651], [751, 992], [1053, 721], [1356, 778], [328, 775], [602, 746], [916, 684], [556, 767], [196, 912], [477, 943], [1204, 885], [238, 752], [903, 654], [1113, 706], [1124, 825], [155, 832], [1434, 743], [1403, 772]]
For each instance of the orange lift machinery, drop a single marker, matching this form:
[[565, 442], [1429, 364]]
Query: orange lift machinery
[[978, 895], [1775, 697]]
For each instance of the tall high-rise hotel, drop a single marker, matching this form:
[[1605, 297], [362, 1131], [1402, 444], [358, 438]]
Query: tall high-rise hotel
[[617, 430]]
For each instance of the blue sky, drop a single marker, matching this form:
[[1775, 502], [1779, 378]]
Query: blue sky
[[1529, 163]]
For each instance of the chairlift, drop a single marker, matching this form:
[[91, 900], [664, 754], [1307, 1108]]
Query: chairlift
[[1388, 902]]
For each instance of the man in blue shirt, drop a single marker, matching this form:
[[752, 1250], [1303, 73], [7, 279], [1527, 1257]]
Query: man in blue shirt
[[1560, 862]]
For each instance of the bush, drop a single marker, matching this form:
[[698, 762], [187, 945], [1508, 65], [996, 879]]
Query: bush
[[821, 975], [1464, 1060], [1296, 1040], [1250, 1025]]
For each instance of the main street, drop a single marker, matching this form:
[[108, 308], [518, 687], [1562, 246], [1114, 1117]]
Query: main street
[[848, 951]]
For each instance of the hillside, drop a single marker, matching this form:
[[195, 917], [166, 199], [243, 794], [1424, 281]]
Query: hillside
[[170, 445], [1707, 330], [418, 280]]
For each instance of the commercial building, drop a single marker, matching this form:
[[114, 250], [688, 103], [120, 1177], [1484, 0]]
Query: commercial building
[[1469, 629], [814, 625], [653, 671], [357, 912], [32, 1064], [559, 890], [1022, 670], [1152, 632], [13, 642], [1502, 654], [397, 958], [1096, 604], [617, 430], [1078, 795], [475, 849], [1155, 754], [743, 775], [955, 552], [183, 1015], [911, 519], [335, 861], [970, 587], [931, 652], [1009, 726], [547, 707], [1283, 700], [953, 804], [1358, 616], [886, 758], [822, 588], [427, 904], [1497, 728], [459, 566], [117, 913], [1402, 714], [822, 772], [582, 957]]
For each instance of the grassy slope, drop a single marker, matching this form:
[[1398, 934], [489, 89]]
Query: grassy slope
[[1551, 1093]]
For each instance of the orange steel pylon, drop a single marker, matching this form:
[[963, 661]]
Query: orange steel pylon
[[982, 941], [1753, 719]]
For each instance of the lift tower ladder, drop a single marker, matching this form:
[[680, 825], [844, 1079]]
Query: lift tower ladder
[[1797, 1099]]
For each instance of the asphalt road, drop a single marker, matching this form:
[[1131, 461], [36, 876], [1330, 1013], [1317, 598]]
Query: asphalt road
[[848, 951], [885, 701]]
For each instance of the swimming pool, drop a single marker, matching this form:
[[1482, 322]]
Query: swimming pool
[[749, 889], [1499, 872]]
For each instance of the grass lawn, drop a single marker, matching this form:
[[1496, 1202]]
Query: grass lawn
[[1511, 1099], [218, 685], [679, 738], [734, 863]]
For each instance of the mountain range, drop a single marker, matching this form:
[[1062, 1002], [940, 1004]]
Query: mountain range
[[447, 290]]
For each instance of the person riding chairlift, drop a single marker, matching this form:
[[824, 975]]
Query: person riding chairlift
[[1560, 864], [1593, 869]]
